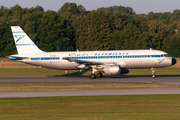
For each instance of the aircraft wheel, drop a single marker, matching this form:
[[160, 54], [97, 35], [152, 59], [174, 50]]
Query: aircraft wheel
[[92, 76], [153, 76], [99, 75]]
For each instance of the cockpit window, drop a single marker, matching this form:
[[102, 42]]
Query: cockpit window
[[165, 55]]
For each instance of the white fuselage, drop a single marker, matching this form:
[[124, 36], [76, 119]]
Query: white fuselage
[[129, 59], [110, 62]]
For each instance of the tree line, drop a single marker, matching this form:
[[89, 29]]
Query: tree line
[[72, 28]]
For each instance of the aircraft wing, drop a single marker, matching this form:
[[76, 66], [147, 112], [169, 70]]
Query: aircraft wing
[[84, 61]]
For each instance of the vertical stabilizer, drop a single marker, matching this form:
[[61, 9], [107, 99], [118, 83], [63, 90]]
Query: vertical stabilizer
[[23, 43]]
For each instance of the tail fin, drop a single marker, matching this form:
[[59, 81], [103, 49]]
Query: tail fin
[[23, 43]]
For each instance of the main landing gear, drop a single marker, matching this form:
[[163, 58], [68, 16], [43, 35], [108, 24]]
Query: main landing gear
[[99, 75], [93, 76], [153, 71]]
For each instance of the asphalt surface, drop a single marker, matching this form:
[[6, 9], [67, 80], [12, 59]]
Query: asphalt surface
[[92, 92], [104, 80]]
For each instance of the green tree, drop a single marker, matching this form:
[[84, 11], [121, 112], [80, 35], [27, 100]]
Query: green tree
[[95, 33], [120, 9], [172, 45], [72, 8], [72, 27], [157, 32], [52, 32], [16, 13]]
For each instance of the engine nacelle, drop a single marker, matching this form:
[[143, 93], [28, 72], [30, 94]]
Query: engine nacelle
[[82, 67], [124, 71], [112, 69]]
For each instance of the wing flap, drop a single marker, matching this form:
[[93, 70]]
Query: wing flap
[[84, 61]]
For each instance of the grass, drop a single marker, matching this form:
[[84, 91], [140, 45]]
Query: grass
[[132, 107], [62, 87], [52, 72]]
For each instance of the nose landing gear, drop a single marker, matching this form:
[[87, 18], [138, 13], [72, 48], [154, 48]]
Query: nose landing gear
[[153, 72]]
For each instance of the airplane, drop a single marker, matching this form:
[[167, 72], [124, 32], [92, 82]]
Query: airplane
[[111, 62]]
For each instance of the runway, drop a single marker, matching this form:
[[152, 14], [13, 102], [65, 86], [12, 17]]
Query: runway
[[92, 92], [104, 80]]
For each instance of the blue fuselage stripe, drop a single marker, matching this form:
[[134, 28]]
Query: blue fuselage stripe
[[45, 58], [107, 57]]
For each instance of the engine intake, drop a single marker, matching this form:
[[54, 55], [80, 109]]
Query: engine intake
[[112, 69], [124, 71]]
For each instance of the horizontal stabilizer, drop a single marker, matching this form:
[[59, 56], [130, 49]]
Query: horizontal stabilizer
[[16, 57]]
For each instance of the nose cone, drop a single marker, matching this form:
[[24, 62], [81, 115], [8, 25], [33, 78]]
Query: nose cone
[[173, 61]]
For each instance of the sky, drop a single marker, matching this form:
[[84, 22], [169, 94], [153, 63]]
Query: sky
[[139, 6]]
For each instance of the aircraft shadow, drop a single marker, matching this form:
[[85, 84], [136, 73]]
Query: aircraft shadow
[[74, 74], [80, 74]]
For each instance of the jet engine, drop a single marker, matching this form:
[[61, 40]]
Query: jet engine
[[112, 69], [124, 71], [82, 67]]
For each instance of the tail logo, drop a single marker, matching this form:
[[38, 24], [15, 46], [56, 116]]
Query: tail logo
[[19, 37]]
